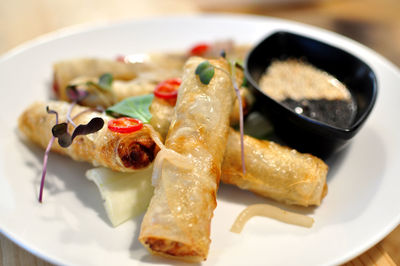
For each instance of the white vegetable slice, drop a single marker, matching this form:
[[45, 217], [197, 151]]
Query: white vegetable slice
[[125, 194]]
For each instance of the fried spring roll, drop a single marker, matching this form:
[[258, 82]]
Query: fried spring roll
[[67, 70], [161, 115], [275, 171], [117, 151], [119, 91], [177, 222], [272, 170], [130, 79], [162, 111]]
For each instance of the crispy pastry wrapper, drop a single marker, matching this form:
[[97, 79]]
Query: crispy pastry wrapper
[[177, 222], [119, 152], [272, 170], [275, 171], [67, 70], [130, 79], [162, 111]]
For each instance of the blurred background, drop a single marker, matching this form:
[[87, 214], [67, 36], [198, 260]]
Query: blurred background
[[374, 23]]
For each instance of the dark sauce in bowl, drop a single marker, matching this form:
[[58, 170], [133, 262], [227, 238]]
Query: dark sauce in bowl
[[337, 113], [299, 131], [309, 91]]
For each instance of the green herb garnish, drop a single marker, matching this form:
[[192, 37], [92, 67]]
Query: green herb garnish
[[205, 71], [105, 82], [60, 132], [136, 107], [245, 83]]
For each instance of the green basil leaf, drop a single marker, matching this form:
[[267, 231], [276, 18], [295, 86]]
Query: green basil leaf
[[105, 81], [135, 107]]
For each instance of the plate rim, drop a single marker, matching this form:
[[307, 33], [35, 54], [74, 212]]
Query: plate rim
[[88, 27]]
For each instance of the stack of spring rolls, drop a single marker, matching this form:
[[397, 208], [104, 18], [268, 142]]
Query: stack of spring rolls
[[177, 221]]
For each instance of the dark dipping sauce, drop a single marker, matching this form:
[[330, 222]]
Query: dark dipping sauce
[[338, 113], [310, 92]]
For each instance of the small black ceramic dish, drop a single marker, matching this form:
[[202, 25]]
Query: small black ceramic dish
[[299, 131]]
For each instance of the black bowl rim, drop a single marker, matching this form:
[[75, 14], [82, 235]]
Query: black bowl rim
[[345, 133]]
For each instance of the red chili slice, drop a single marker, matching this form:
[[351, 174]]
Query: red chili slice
[[199, 49], [168, 89], [125, 125], [120, 58]]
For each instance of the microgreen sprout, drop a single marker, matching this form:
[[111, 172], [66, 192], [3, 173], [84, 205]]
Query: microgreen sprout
[[46, 157], [104, 83], [205, 71], [60, 130]]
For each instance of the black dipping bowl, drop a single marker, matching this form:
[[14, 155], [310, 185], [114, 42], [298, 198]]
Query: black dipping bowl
[[300, 132]]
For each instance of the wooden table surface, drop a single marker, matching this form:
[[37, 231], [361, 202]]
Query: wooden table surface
[[375, 23]]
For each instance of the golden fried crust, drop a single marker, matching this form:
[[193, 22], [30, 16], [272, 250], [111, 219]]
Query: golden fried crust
[[275, 171], [177, 222], [129, 79], [120, 152], [65, 71], [261, 176]]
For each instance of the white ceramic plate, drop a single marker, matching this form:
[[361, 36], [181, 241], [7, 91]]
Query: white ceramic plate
[[71, 227]]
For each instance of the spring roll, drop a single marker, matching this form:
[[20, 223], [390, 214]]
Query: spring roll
[[177, 222], [117, 151], [130, 79], [134, 75], [161, 115], [162, 111], [272, 170], [275, 171], [67, 70]]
